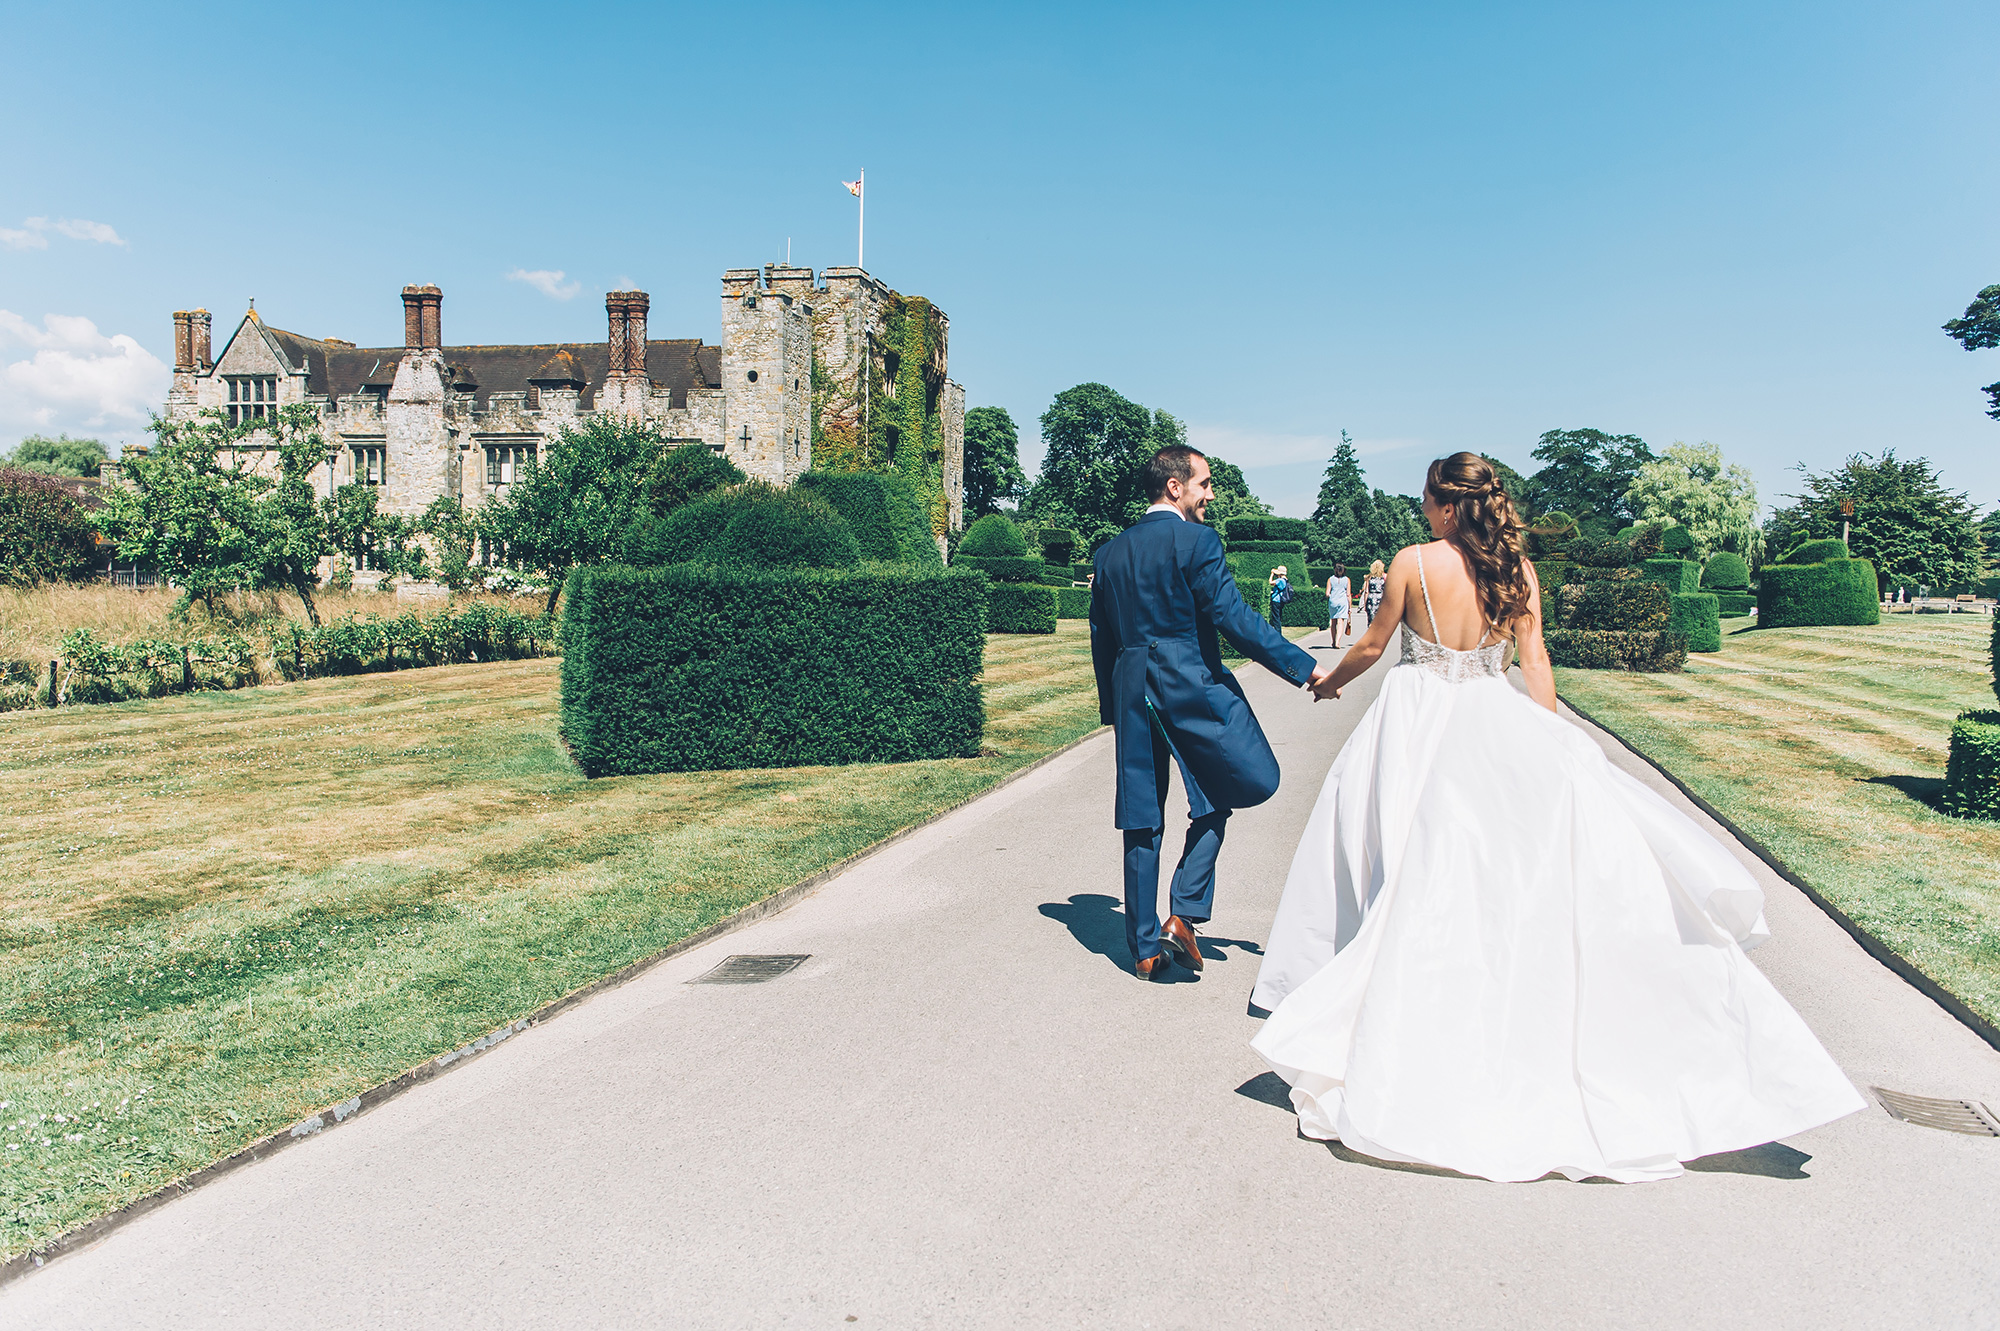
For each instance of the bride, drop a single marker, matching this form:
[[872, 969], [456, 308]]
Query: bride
[[1497, 953]]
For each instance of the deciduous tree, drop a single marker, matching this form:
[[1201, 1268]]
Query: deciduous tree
[[1913, 529], [1586, 474], [1978, 329], [60, 456], [1097, 442], [992, 461], [1690, 485], [45, 534]]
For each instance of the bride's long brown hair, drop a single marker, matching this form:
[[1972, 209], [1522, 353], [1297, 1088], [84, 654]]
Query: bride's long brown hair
[[1487, 529]]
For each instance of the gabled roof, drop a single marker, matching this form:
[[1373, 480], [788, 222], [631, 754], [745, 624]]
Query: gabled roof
[[678, 365]]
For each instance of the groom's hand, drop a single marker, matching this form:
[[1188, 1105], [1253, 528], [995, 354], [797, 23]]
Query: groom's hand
[[1321, 683]]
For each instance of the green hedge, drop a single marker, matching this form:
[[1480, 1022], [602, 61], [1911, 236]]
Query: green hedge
[[1815, 552], [1677, 541], [1555, 571], [1735, 603], [1247, 564], [1055, 578], [690, 668], [1599, 554], [1697, 616], [1002, 568], [1267, 529], [1306, 610], [1725, 572], [1073, 603], [1614, 607], [1993, 655], [1020, 607], [1838, 591], [1257, 595], [886, 513], [1972, 772], [1058, 544], [755, 524], [1081, 572], [1267, 547], [1589, 649], [994, 535], [1678, 576]]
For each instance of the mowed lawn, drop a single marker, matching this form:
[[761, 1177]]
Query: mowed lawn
[[1828, 745], [228, 910]]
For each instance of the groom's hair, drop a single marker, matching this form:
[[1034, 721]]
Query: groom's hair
[[1175, 462]]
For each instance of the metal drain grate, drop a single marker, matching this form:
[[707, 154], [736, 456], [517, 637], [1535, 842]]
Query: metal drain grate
[[749, 969], [1966, 1116]]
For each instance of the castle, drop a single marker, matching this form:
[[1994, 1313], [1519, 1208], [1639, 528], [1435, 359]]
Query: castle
[[836, 368]]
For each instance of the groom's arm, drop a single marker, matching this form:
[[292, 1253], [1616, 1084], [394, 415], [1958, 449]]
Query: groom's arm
[[1104, 647], [1215, 592]]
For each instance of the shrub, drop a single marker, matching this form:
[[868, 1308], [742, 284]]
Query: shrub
[[1002, 568], [1599, 554], [1049, 577], [994, 535], [1555, 571], [1972, 772], [887, 515], [1551, 532], [1676, 575], [1816, 552], [1614, 607], [1589, 649], [1837, 591], [690, 668], [1258, 563], [45, 535], [1696, 616], [1021, 607], [1081, 572], [1073, 603], [1993, 655], [1677, 542], [1288, 530], [1058, 544], [1735, 603], [1725, 572], [1264, 547], [1317, 574], [1257, 595], [788, 529], [1306, 610]]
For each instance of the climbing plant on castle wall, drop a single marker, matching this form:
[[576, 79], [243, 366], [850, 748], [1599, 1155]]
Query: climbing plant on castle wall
[[884, 427]]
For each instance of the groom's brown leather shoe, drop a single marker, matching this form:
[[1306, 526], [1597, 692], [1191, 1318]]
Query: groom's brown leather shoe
[[1178, 938], [1150, 968]]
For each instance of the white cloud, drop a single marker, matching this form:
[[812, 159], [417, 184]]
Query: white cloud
[[549, 282], [34, 234], [75, 379]]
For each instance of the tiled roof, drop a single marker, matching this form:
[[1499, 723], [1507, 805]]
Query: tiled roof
[[678, 365]]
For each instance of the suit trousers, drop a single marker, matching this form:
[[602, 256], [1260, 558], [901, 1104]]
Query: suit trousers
[[1193, 893]]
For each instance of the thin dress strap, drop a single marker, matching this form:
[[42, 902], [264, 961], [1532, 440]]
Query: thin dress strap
[[1425, 583]]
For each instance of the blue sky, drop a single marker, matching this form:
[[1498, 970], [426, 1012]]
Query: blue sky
[[1435, 226]]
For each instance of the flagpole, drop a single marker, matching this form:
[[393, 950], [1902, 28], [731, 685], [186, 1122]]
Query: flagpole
[[861, 232]]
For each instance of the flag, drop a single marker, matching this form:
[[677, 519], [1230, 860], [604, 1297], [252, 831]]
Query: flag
[[853, 187]]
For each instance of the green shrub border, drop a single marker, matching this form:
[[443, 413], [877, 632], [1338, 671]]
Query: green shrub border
[[1972, 772], [1836, 592], [1697, 616], [1021, 607]]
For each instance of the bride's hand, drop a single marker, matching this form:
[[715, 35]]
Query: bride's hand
[[1321, 684]]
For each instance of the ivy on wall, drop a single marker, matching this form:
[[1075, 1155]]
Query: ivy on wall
[[882, 427]]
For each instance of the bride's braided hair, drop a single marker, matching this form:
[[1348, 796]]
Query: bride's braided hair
[[1487, 529]]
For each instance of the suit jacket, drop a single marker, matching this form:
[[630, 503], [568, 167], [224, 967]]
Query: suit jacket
[[1162, 589]]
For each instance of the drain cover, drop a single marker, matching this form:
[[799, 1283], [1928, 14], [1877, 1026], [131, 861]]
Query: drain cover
[[748, 969], [1966, 1116]]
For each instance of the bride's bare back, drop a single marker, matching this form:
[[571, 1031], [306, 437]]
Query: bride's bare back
[[1454, 597]]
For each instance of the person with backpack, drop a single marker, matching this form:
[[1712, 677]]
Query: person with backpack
[[1281, 594]]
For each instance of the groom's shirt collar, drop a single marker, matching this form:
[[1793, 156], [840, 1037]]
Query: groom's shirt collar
[[1166, 508]]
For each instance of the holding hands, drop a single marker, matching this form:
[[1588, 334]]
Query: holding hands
[[1322, 684]]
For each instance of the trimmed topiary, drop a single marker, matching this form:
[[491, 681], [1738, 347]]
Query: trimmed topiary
[[1972, 771], [702, 667], [1258, 563], [1735, 603], [1081, 572], [1306, 610], [1725, 571], [1836, 591], [1592, 553], [1266, 529], [1633, 606], [1816, 552], [1677, 542], [1073, 603], [1058, 544], [1678, 576], [887, 515], [1004, 568], [1553, 571], [1589, 649], [1263, 547], [994, 536], [790, 529], [1697, 616], [1020, 607], [1550, 533]]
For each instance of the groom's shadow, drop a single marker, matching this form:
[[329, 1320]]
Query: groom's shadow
[[1095, 921]]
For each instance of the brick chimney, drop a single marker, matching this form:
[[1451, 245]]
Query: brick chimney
[[413, 318], [183, 342], [614, 313], [433, 317], [198, 324], [636, 305]]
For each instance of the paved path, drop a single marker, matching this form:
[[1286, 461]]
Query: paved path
[[963, 1111]]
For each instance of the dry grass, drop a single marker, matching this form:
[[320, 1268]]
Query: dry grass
[[226, 910], [1828, 745]]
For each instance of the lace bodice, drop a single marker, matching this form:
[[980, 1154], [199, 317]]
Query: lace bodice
[[1448, 663]]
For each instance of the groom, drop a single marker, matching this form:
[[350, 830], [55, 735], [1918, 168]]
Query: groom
[[1162, 588]]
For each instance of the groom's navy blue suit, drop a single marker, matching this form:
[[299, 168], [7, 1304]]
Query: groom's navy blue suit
[[1160, 591]]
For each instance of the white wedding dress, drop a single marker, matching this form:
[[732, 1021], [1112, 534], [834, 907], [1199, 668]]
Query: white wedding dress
[[1499, 954]]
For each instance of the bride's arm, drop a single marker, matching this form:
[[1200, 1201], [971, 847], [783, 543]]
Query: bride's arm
[[1376, 640], [1535, 669]]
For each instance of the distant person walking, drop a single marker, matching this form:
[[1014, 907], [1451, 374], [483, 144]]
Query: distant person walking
[[1373, 589], [1339, 598], [1281, 594]]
